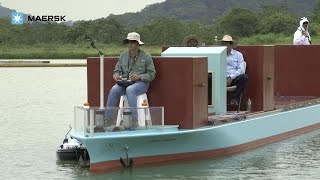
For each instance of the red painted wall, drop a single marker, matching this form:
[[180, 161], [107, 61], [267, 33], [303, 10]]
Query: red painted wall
[[260, 70], [297, 69], [258, 85], [253, 57], [175, 87]]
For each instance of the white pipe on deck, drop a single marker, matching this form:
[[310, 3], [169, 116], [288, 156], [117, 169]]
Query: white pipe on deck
[[91, 111], [101, 81]]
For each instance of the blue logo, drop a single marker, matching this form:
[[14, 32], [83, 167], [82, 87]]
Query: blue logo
[[17, 18]]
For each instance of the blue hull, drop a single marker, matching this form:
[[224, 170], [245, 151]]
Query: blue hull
[[161, 145]]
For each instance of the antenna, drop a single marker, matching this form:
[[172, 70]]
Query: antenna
[[92, 44]]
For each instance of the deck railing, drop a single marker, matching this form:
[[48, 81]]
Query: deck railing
[[88, 121]]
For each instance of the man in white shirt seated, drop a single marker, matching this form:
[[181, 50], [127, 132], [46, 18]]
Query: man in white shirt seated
[[302, 36], [235, 69]]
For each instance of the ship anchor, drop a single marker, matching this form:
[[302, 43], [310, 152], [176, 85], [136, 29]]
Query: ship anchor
[[128, 162]]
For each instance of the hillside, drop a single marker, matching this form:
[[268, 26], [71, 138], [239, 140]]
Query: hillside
[[5, 11], [197, 10], [206, 10]]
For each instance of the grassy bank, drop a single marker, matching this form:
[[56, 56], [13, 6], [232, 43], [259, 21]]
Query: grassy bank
[[81, 51], [14, 65], [63, 51], [272, 39]]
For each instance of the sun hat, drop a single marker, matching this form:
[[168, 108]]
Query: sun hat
[[192, 38], [133, 36], [228, 38]]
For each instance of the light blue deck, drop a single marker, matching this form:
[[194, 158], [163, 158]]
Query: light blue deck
[[110, 146], [217, 63]]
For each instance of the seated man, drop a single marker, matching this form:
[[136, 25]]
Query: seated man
[[235, 69], [136, 66]]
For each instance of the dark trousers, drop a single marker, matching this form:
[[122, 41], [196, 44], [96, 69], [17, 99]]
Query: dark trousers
[[241, 82]]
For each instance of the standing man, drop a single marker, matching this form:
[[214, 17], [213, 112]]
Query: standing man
[[302, 36], [136, 66], [235, 69]]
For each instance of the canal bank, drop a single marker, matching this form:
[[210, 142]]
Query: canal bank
[[43, 63]]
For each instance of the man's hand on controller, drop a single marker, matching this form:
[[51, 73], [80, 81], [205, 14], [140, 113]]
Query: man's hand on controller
[[116, 77], [134, 77]]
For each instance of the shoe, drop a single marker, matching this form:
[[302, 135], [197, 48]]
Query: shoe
[[117, 128], [98, 129], [135, 123], [108, 122], [234, 102]]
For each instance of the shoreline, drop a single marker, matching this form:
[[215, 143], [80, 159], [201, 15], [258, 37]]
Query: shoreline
[[46, 56], [9, 65], [66, 51]]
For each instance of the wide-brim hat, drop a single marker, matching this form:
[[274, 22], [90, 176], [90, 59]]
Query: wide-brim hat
[[133, 36], [228, 38], [192, 37]]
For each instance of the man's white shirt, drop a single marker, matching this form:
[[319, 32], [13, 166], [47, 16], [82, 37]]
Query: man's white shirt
[[235, 64]]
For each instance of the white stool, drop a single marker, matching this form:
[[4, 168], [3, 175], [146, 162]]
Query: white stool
[[142, 110]]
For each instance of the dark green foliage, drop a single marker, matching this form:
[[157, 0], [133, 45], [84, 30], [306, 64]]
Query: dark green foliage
[[315, 16], [169, 22], [279, 23], [164, 31], [239, 23], [208, 10], [277, 19]]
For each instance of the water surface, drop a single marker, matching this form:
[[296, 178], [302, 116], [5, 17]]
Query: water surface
[[36, 108]]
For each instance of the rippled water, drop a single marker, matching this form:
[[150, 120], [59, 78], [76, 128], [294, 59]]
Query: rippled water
[[36, 107]]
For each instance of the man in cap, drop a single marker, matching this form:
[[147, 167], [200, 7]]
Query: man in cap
[[302, 36], [136, 66], [235, 69]]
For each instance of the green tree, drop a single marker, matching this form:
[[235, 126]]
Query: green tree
[[279, 23], [162, 32], [238, 22], [104, 30], [270, 9], [5, 30], [277, 19], [205, 31], [315, 15]]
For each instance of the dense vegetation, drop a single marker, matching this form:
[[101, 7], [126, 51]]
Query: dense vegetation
[[206, 11], [264, 24]]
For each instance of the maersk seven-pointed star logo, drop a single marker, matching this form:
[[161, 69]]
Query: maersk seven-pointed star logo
[[16, 18]]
